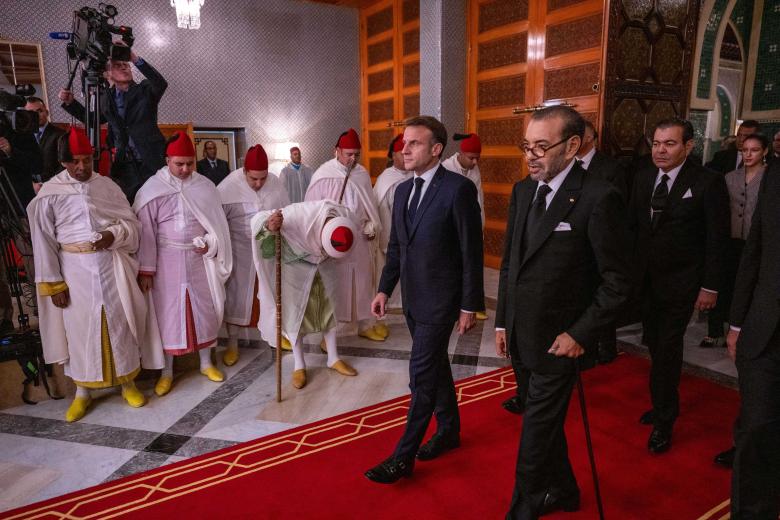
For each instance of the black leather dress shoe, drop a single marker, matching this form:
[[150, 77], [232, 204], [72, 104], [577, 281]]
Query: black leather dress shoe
[[390, 470], [568, 503], [514, 404], [726, 458], [660, 441], [437, 445], [647, 418]]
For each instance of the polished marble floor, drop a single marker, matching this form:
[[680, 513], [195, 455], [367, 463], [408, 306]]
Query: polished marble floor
[[42, 456]]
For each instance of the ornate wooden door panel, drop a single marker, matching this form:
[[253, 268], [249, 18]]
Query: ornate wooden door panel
[[390, 74], [648, 69], [522, 53]]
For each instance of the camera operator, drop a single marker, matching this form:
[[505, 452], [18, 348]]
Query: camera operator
[[21, 159], [46, 137], [130, 109]]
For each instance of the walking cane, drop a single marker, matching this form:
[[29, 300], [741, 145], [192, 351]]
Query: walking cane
[[588, 441], [346, 179], [278, 242]]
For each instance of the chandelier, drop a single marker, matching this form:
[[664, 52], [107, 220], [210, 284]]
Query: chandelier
[[187, 13]]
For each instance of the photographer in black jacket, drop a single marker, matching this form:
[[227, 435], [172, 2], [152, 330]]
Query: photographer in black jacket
[[130, 109]]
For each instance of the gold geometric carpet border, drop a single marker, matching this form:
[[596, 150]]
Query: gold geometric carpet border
[[183, 478]]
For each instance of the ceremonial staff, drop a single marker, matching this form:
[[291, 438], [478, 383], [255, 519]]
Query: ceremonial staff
[[278, 241], [346, 180]]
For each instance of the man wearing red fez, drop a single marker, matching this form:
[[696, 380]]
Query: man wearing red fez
[[296, 176], [466, 162], [316, 235], [93, 317], [244, 192], [355, 295], [384, 188], [185, 258]]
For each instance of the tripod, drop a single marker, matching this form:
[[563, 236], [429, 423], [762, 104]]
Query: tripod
[[22, 344]]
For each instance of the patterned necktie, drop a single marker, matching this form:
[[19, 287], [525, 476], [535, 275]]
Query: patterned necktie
[[418, 185], [658, 202]]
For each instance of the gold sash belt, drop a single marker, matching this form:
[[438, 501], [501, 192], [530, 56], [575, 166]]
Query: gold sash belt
[[78, 247]]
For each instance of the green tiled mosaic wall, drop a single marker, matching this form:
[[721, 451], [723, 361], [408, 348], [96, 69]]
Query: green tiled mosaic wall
[[698, 119], [766, 89], [708, 48], [742, 18]]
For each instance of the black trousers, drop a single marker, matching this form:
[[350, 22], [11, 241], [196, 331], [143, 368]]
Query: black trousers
[[522, 374], [543, 458], [130, 175], [663, 327], [755, 481], [432, 386], [720, 314]]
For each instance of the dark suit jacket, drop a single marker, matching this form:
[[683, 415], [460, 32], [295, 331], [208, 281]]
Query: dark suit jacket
[[24, 162], [756, 303], [686, 251], [214, 174], [724, 161], [438, 260], [140, 121], [572, 281], [48, 147], [608, 169]]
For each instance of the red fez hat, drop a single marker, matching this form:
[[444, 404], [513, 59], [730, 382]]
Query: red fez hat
[[294, 148], [338, 236], [78, 142], [180, 145], [398, 143], [349, 140], [256, 159], [469, 143]]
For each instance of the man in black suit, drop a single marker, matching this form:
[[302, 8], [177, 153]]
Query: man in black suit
[[754, 342], [607, 169], [130, 109], [679, 214], [435, 249], [212, 166], [564, 275], [46, 137], [728, 160]]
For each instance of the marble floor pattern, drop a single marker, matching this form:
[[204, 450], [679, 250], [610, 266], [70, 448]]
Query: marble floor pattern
[[42, 456]]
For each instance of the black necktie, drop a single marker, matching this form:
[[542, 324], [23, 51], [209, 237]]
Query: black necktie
[[535, 214], [658, 202], [418, 185]]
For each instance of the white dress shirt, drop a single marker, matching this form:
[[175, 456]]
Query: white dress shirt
[[427, 176], [585, 159]]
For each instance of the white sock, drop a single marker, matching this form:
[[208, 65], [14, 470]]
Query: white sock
[[330, 344], [205, 358], [298, 354], [167, 370], [82, 392]]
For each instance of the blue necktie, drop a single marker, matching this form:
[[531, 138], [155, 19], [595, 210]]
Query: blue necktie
[[418, 185]]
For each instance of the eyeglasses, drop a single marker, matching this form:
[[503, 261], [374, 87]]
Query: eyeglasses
[[539, 150]]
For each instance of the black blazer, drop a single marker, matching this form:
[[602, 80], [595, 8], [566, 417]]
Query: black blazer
[[572, 280], [756, 303], [608, 169], [686, 251], [48, 147], [724, 161], [439, 259], [140, 121], [216, 175]]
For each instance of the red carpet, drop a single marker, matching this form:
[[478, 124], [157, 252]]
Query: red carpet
[[316, 471]]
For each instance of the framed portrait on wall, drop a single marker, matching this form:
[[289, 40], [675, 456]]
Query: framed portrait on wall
[[224, 140]]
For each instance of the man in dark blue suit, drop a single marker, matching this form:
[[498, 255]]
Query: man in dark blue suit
[[435, 249]]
